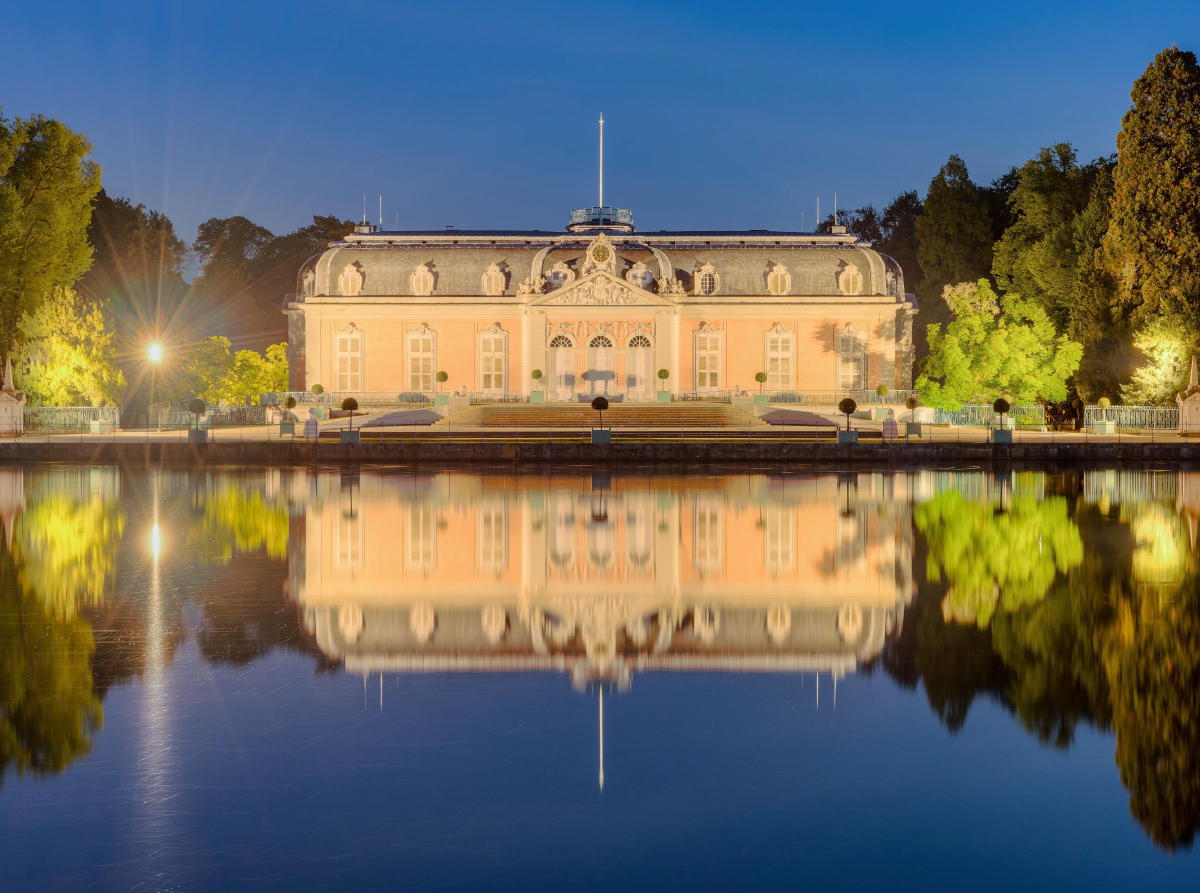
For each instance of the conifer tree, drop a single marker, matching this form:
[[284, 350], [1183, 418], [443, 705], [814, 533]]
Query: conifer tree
[[1153, 243]]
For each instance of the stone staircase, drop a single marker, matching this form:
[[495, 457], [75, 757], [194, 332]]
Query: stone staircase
[[581, 415]]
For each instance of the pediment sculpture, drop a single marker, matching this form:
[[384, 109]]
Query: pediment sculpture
[[600, 289]]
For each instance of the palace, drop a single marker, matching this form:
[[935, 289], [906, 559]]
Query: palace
[[599, 309]]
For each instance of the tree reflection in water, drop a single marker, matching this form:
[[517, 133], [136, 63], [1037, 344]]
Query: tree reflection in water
[[1100, 625], [1066, 599]]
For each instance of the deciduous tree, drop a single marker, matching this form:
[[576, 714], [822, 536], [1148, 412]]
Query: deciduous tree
[[988, 351], [47, 183]]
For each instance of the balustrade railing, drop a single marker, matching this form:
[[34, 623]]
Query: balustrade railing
[[832, 398], [335, 398], [983, 415], [1156, 417], [69, 418]]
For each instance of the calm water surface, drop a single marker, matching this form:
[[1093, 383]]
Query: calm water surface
[[288, 680]]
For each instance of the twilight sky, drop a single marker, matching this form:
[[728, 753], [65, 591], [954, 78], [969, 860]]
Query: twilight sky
[[483, 115]]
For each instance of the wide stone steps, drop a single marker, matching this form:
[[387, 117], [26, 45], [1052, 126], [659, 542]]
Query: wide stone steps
[[570, 415]]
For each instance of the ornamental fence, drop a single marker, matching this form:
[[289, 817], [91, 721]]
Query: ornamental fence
[[69, 418], [335, 398], [832, 398], [1156, 417], [982, 414], [214, 417]]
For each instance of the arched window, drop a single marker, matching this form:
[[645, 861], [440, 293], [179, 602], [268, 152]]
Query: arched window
[[707, 280], [639, 341], [561, 341], [493, 281], [779, 280], [639, 384], [600, 341], [349, 359], [852, 359], [493, 358], [779, 358], [422, 354], [422, 281], [708, 358]]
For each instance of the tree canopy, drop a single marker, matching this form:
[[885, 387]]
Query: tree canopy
[[993, 348], [47, 183], [1153, 243], [66, 355]]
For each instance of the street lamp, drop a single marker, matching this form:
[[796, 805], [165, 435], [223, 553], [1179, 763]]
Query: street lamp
[[155, 353]]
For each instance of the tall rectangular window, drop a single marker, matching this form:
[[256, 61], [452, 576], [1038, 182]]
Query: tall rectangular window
[[779, 361], [422, 536], [349, 360], [708, 361], [492, 361], [420, 361], [852, 359]]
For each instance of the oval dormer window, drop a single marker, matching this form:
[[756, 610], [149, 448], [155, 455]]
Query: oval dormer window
[[351, 280], [493, 281], [560, 274], [707, 280], [422, 281], [779, 280], [850, 281]]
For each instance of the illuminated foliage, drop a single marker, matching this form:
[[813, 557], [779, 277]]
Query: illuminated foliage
[[996, 559], [981, 356], [237, 518], [68, 547], [48, 706]]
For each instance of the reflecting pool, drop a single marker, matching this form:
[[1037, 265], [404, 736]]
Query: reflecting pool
[[332, 679]]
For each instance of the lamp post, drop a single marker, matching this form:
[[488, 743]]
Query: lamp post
[[155, 353]]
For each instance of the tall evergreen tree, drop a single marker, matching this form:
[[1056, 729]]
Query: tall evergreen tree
[[1153, 243], [954, 243], [898, 225]]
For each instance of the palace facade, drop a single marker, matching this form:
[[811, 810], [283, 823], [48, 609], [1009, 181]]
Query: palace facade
[[599, 309]]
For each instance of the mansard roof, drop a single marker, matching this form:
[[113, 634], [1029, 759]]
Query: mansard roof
[[742, 259]]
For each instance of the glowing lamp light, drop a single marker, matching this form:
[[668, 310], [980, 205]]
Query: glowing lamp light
[[155, 353]]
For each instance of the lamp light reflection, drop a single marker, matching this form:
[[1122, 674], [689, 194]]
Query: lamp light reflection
[[155, 542]]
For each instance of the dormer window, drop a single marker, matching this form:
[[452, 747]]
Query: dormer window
[[779, 280], [850, 281], [493, 281], [422, 281], [707, 280], [350, 281]]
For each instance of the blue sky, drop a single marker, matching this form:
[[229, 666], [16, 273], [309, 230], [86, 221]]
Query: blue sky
[[718, 115]]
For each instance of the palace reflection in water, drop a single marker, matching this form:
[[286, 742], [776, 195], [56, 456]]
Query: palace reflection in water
[[1065, 597], [602, 577]]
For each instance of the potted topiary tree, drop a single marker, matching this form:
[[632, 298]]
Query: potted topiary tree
[[287, 425], [1003, 434], [847, 407], [349, 435], [880, 412], [440, 399], [1104, 425], [538, 395], [664, 396], [196, 434], [317, 391], [914, 426], [601, 434], [760, 399]]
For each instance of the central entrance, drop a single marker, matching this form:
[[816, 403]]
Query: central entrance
[[601, 374]]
